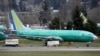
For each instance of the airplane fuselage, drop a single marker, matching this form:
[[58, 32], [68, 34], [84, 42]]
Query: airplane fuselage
[[65, 35]]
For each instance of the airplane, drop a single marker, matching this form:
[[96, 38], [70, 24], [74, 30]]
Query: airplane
[[45, 34], [2, 34], [2, 27]]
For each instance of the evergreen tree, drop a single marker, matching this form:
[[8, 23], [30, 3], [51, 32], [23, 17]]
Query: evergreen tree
[[45, 5], [45, 13], [91, 26], [70, 25], [84, 11], [77, 20], [56, 23]]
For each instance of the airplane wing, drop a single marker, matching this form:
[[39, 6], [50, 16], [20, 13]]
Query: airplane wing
[[28, 34], [53, 38], [41, 38]]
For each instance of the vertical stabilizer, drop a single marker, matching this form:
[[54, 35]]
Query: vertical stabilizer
[[15, 22], [83, 17]]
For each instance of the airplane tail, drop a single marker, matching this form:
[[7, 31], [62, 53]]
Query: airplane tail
[[15, 22], [83, 17]]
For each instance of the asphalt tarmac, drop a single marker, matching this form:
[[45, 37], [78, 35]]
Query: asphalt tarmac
[[42, 48]]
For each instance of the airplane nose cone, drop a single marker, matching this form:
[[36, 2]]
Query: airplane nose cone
[[95, 37]]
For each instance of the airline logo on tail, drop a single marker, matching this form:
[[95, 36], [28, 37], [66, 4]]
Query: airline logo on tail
[[15, 22]]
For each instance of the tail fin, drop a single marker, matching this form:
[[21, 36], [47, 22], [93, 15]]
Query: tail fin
[[15, 22], [83, 17]]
